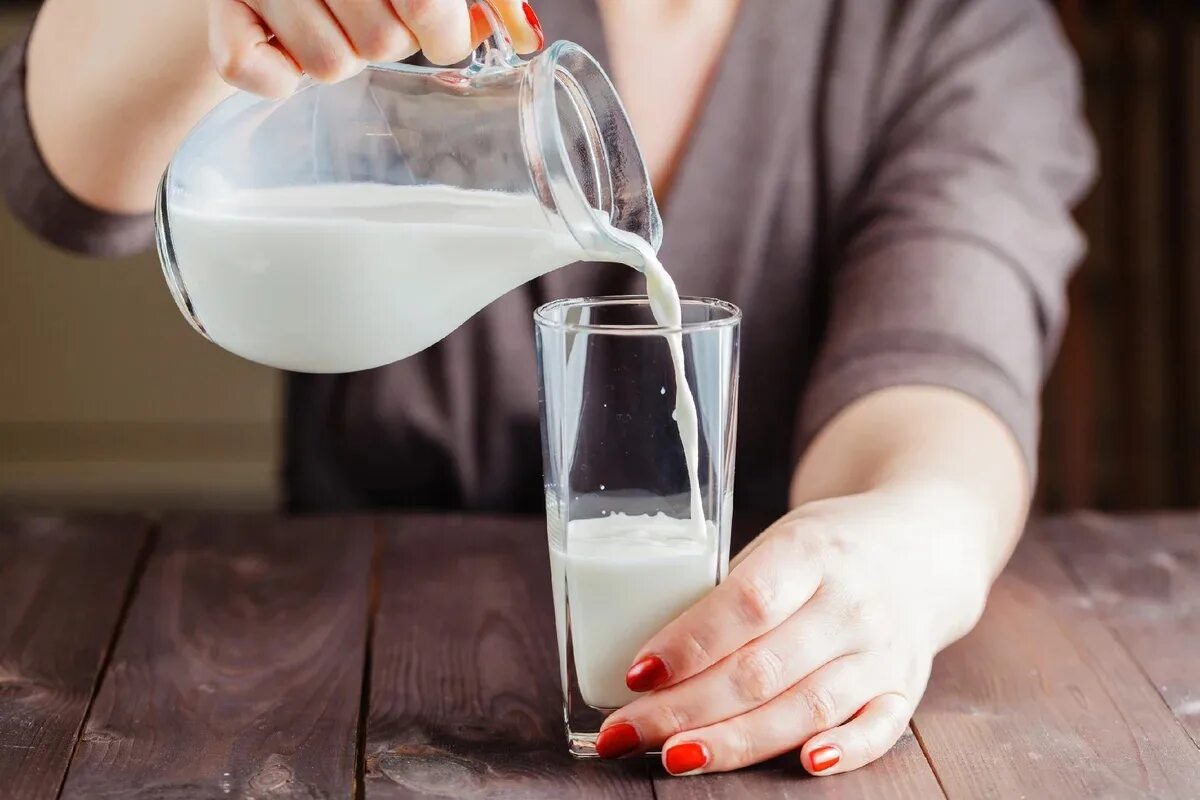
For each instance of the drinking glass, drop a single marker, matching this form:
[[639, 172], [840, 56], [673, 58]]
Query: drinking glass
[[626, 557]]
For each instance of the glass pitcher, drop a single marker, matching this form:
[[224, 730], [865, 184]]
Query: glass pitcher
[[351, 225]]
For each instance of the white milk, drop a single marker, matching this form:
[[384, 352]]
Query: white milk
[[343, 277], [626, 577], [665, 305]]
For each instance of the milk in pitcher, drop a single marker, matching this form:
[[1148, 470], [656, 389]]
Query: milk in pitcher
[[344, 277]]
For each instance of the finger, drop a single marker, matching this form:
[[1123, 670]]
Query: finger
[[866, 737], [522, 24], [442, 27], [314, 39], [374, 30], [244, 54], [745, 680], [770, 585], [823, 700]]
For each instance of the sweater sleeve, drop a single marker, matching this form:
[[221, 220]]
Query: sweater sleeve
[[952, 269], [33, 194]]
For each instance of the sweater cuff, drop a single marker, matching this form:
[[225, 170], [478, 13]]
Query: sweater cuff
[[963, 372], [933, 311]]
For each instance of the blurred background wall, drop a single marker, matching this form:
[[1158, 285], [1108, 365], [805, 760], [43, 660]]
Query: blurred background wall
[[1122, 427], [108, 399]]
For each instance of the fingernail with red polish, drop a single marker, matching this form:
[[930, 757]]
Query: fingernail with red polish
[[616, 741], [480, 27], [532, 19], [649, 673], [685, 758], [824, 758]]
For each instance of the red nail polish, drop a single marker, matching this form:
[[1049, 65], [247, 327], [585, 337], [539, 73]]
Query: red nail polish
[[649, 673], [532, 19], [480, 27], [619, 740], [824, 758], [683, 758]]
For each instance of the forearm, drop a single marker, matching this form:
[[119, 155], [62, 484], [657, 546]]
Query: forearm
[[113, 86], [945, 454]]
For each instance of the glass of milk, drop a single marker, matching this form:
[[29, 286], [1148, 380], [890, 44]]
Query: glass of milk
[[638, 479]]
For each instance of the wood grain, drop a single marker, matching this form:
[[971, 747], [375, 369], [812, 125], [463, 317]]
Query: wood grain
[[1041, 701], [62, 586], [465, 694], [902, 774], [239, 668], [1143, 577], [239, 664]]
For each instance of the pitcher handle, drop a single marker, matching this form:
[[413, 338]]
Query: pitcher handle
[[497, 49]]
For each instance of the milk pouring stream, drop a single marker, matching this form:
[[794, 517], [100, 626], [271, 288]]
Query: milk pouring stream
[[343, 277]]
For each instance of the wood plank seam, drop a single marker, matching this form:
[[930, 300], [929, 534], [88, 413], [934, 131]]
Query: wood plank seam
[[1085, 591], [1042, 700], [364, 708], [149, 539], [912, 724], [236, 670]]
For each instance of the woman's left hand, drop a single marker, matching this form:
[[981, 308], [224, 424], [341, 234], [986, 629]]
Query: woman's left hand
[[821, 638]]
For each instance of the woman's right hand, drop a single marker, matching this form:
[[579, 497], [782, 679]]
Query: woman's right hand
[[264, 46]]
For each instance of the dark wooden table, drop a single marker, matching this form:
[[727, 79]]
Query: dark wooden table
[[414, 657]]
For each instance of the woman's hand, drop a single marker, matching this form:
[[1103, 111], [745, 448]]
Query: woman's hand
[[263, 46], [821, 638]]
